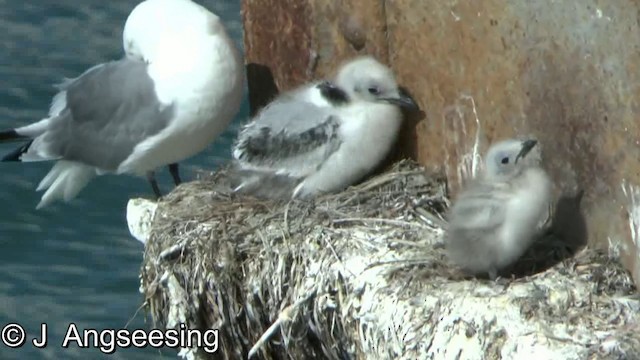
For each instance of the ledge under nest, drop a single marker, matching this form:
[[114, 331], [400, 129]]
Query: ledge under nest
[[362, 275]]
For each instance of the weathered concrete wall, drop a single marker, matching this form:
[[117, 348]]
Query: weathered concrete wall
[[563, 71]]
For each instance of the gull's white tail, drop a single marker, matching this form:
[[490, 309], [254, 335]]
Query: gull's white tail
[[64, 181]]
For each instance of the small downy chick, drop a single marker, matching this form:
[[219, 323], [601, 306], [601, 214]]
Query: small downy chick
[[496, 218]]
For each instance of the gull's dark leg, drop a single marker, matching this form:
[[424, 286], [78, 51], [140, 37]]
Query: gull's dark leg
[[151, 176], [175, 173]]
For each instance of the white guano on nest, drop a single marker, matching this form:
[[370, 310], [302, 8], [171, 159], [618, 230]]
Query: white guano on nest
[[362, 275]]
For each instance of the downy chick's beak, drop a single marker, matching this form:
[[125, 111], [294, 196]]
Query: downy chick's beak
[[527, 145], [404, 100]]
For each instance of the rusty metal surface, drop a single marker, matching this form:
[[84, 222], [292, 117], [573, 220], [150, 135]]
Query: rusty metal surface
[[277, 40], [288, 42], [565, 72]]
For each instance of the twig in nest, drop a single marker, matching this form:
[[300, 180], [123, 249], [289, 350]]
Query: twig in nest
[[172, 252], [405, 262], [360, 190], [383, 179], [286, 216], [284, 315], [376, 220], [430, 219]]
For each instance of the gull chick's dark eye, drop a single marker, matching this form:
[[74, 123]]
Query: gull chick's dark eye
[[505, 160], [373, 91]]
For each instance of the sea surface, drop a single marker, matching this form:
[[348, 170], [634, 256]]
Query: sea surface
[[73, 263]]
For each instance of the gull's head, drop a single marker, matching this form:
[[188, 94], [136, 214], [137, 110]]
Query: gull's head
[[153, 25], [366, 79], [508, 157]]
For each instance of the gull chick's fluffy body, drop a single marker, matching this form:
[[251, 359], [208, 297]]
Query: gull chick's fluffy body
[[323, 138], [497, 217]]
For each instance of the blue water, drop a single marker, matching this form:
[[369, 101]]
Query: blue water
[[74, 262]]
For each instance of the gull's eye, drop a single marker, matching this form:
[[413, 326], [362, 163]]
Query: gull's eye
[[373, 90], [505, 160]]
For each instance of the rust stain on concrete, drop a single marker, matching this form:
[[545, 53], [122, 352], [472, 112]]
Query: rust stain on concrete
[[290, 42], [345, 29], [277, 42]]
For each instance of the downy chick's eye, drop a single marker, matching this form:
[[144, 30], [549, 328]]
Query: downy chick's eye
[[373, 90], [505, 160]]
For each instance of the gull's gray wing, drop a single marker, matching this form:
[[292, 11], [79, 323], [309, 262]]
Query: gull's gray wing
[[99, 117], [289, 137]]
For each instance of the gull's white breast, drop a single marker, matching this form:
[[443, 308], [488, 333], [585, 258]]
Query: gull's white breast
[[525, 209], [367, 131]]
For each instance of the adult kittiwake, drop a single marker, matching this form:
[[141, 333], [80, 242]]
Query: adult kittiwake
[[176, 89], [323, 136], [497, 217]]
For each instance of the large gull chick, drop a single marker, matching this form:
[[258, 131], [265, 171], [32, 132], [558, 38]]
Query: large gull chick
[[496, 218], [324, 136], [176, 89], [266, 182]]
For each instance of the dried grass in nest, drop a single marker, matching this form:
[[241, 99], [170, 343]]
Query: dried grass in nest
[[242, 261], [359, 274]]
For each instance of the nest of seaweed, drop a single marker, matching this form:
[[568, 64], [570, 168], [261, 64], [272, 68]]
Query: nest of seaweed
[[358, 274]]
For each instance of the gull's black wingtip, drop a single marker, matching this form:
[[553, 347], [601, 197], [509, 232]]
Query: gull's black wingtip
[[16, 154], [10, 135]]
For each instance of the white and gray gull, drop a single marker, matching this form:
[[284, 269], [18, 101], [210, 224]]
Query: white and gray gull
[[497, 217], [176, 89], [323, 136]]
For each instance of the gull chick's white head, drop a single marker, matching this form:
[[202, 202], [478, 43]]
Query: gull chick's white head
[[154, 25], [366, 79], [509, 158]]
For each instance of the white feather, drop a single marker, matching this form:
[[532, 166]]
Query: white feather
[[64, 181]]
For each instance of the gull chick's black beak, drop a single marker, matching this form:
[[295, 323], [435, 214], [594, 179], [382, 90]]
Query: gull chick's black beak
[[404, 100], [333, 93], [527, 145]]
